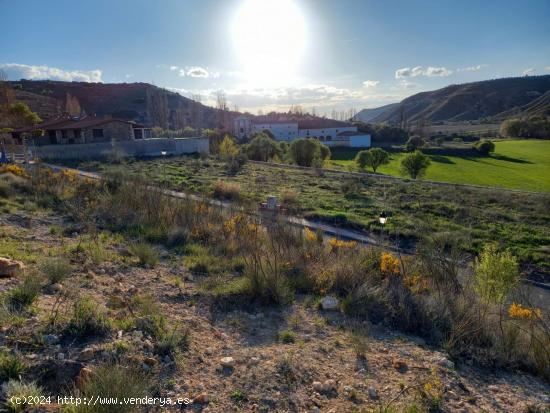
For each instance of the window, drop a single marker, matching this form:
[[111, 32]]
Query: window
[[242, 130], [138, 133], [97, 133]]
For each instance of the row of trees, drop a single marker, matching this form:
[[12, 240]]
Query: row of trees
[[413, 164], [535, 127]]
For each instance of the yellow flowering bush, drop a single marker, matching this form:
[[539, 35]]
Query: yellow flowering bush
[[338, 244], [13, 169], [389, 265], [525, 313]]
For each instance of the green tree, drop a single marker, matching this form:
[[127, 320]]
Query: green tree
[[373, 158], [415, 142], [262, 148], [189, 132], [484, 147], [308, 152], [228, 148], [415, 164]]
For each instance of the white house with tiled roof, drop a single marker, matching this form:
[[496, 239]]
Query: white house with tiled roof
[[328, 131]]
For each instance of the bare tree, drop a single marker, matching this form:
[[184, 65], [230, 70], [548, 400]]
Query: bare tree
[[223, 108]]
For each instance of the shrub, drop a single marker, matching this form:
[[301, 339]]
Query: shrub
[[287, 336], [11, 366], [5, 190], [308, 152], [24, 295], [56, 269], [415, 164], [113, 381], [262, 148], [15, 389], [484, 147], [373, 158], [146, 253], [87, 319], [534, 127], [496, 273], [228, 148], [235, 163], [414, 143], [226, 190]]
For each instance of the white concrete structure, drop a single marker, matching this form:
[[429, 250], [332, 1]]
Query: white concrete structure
[[330, 132]]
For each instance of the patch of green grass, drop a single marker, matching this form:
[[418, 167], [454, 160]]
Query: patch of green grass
[[515, 164], [15, 389], [12, 366], [87, 319], [146, 253], [56, 269]]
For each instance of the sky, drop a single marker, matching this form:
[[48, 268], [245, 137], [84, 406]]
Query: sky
[[270, 54]]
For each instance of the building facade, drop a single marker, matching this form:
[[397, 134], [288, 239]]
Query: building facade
[[330, 132]]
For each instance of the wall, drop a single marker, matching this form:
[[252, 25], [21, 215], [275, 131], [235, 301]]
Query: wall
[[331, 132], [359, 141], [141, 147], [281, 131]]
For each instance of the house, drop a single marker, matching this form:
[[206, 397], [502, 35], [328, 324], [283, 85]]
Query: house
[[72, 130], [328, 131]]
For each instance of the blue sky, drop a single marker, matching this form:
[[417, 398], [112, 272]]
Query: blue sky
[[269, 54]]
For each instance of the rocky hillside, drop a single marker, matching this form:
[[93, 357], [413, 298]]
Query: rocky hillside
[[367, 115], [139, 102], [491, 99]]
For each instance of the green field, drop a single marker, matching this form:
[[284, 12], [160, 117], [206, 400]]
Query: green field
[[516, 164]]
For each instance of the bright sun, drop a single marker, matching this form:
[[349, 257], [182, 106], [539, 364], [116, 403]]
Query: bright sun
[[270, 38]]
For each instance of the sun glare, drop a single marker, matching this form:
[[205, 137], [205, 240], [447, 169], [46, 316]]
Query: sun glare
[[269, 37]]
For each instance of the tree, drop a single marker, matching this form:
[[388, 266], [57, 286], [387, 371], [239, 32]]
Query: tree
[[415, 164], [415, 142], [262, 148], [308, 152], [215, 138], [373, 158], [189, 132], [228, 148], [484, 147]]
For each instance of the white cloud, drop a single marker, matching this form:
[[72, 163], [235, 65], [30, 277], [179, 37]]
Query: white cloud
[[16, 71], [408, 72], [528, 72], [420, 71], [437, 71], [370, 83], [197, 71], [472, 68], [194, 71]]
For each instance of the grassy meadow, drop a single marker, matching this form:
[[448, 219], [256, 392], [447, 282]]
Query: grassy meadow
[[515, 164], [518, 221]]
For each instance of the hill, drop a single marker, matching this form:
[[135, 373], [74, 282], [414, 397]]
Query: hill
[[140, 102], [491, 99], [367, 115]]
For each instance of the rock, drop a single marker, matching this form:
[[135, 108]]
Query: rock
[[148, 344], [315, 409], [329, 303], [373, 394], [254, 361], [330, 385], [84, 374], [150, 361], [348, 389], [399, 365], [189, 277], [50, 339], [209, 351], [202, 399], [448, 364], [57, 287], [318, 386], [10, 268], [87, 354], [227, 362], [119, 334]]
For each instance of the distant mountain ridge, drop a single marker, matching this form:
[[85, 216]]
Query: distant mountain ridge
[[492, 100], [140, 102], [367, 115]]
